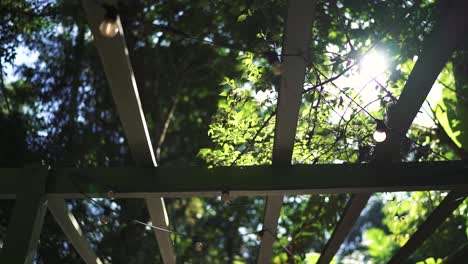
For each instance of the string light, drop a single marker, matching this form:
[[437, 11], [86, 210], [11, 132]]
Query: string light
[[380, 131], [260, 235], [108, 26], [274, 61], [403, 136], [277, 69], [198, 246], [110, 195], [225, 197], [105, 218]]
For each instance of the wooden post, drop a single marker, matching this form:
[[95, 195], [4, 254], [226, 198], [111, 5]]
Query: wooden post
[[27, 218]]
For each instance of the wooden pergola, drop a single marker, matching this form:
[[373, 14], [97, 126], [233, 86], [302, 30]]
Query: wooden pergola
[[48, 188]]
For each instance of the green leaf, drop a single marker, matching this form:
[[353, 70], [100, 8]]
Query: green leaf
[[430, 261], [451, 112], [242, 18]]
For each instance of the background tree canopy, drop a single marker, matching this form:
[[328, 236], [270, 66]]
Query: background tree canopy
[[206, 75]]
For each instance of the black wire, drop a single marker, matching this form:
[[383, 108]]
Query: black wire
[[108, 209], [403, 136], [193, 238]]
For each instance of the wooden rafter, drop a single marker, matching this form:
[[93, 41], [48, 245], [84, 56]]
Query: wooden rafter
[[151, 183], [118, 69], [68, 223], [297, 37], [436, 52], [137, 182], [351, 213], [444, 41]]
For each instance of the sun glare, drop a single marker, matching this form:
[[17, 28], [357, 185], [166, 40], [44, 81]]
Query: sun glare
[[373, 64]]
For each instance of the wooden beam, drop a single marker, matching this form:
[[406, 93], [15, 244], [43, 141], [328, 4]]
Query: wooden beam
[[436, 52], [256, 180], [443, 42], [137, 182], [28, 216], [270, 222], [297, 37], [352, 210], [435, 219], [68, 223], [116, 62], [156, 206]]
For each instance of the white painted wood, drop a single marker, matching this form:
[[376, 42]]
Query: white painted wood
[[118, 69], [68, 223], [159, 218], [296, 42]]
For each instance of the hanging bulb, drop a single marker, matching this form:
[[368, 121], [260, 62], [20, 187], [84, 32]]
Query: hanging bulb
[[105, 218], [380, 136], [275, 62], [108, 26], [110, 195], [225, 197], [380, 131], [277, 69], [198, 246], [260, 235]]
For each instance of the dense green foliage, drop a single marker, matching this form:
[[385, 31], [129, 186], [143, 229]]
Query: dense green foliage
[[209, 94]]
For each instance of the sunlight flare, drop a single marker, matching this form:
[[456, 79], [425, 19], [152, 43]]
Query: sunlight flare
[[373, 64]]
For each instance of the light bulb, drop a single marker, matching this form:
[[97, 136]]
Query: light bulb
[[109, 28], [198, 246], [106, 216], [110, 195], [277, 69], [105, 219], [225, 197], [260, 235], [380, 131], [380, 136]]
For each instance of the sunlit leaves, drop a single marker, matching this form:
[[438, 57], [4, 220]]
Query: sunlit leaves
[[404, 213], [241, 17], [430, 261], [452, 110], [380, 246], [236, 126]]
